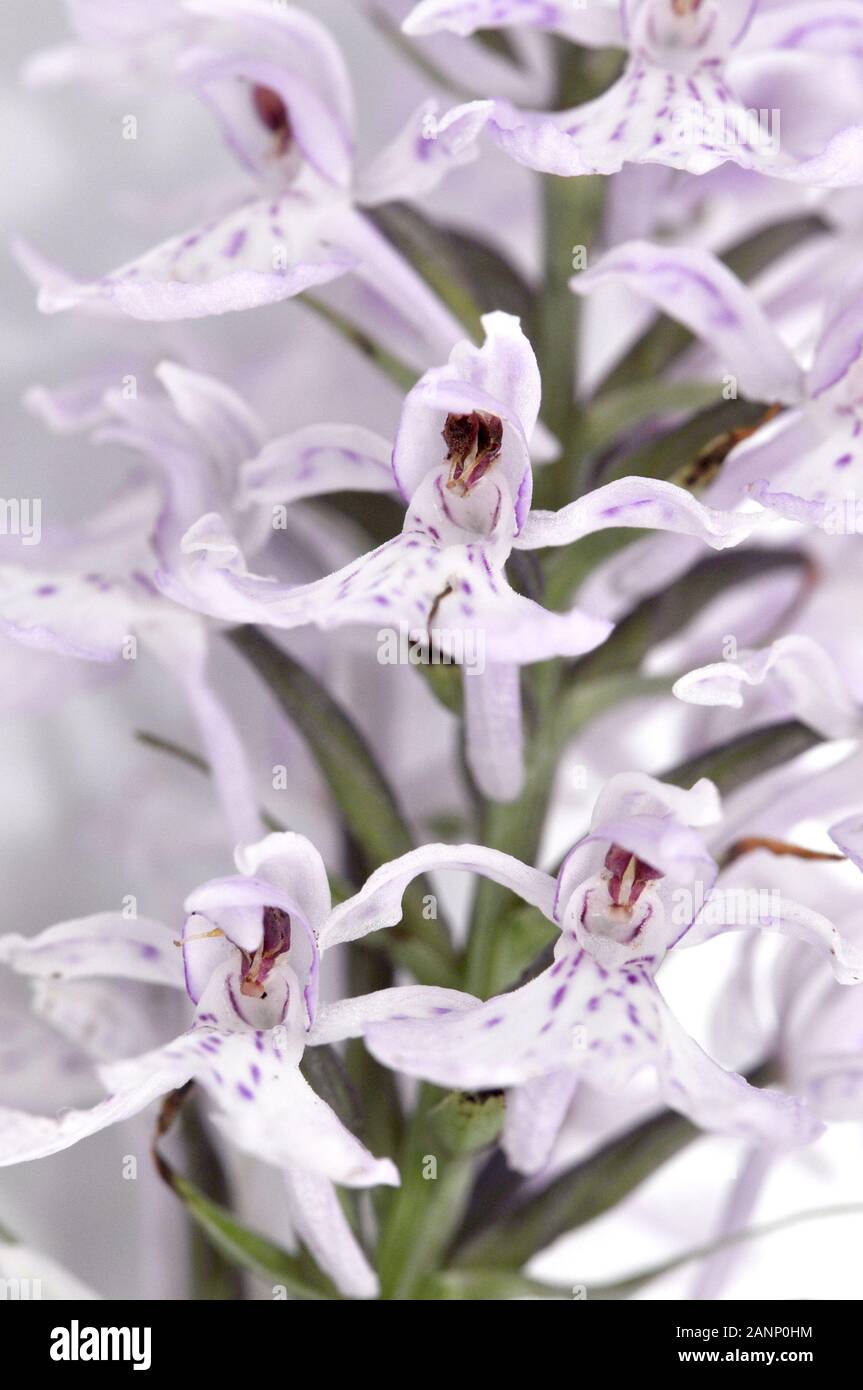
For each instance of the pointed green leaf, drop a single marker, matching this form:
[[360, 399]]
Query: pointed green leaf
[[250, 1250], [580, 1195], [733, 764], [663, 615], [368, 804], [428, 1207], [617, 411], [471, 277], [488, 1286]]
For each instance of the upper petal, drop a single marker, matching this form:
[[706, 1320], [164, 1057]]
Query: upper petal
[[500, 378], [24, 1136], [292, 863], [427, 149], [379, 902], [640, 504], [695, 288], [316, 460], [816, 692], [596, 25], [107, 944]]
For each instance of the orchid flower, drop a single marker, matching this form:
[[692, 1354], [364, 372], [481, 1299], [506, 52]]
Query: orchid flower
[[250, 958], [461, 462], [94, 600], [475, 67], [112, 43], [280, 91], [640, 884], [797, 673], [92, 596], [809, 1026], [694, 74], [803, 465]]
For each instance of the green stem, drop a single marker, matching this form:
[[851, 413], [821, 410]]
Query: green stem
[[572, 212], [214, 1277], [624, 1288], [560, 713], [428, 1207], [398, 372], [466, 1285], [580, 1195]]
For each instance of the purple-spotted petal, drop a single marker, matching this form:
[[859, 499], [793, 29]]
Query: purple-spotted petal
[[349, 1018], [316, 460], [87, 616], [428, 148], [639, 504], [264, 1106], [695, 288], [106, 944], [651, 115], [266, 250], [605, 1024]]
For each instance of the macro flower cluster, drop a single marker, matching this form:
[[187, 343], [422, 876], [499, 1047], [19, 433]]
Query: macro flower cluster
[[470, 561]]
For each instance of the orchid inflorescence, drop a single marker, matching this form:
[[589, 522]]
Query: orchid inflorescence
[[439, 976]]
